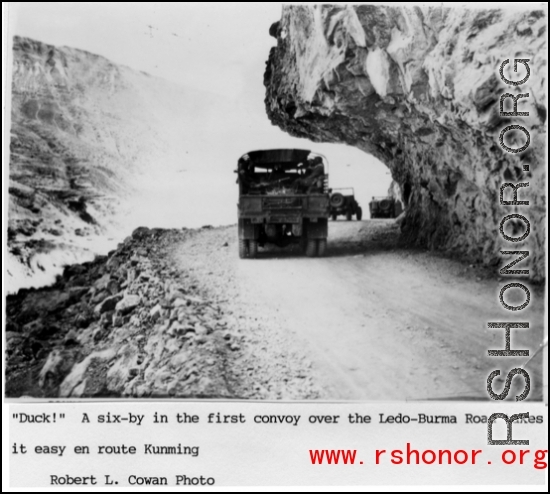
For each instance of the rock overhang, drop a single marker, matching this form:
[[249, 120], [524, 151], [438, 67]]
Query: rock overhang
[[419, 89]]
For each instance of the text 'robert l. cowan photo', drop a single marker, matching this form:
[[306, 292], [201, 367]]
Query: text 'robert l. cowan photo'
[[276, 202]]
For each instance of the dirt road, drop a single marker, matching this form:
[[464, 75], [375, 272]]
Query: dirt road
[[369, 321]]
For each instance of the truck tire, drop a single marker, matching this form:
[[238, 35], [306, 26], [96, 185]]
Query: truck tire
[[311, 248], [303, 244], [252, 249], [336, 200], [386, 205], [243, 248], [359, 214], [321, 247], [348, 215], [334, 216]]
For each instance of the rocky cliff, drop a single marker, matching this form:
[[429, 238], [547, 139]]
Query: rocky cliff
[[419, 88]]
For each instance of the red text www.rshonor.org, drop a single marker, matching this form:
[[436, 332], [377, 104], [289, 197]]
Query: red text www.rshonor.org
[[411, 456]]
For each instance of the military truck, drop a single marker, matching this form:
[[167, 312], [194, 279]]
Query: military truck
[[283, 200], [385, 207], [343, 202]]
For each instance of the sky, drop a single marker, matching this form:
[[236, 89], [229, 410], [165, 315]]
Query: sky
[[215, 48]]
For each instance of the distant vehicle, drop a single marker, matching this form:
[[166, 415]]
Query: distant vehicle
[[385, 207], [343, 202], [283, 200]]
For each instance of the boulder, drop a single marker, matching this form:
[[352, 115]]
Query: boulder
[[128, 304], [83, 319], [99, 296], [181, 330], [177, 293], [75, 382], [40, 330], [106, 320], [71, 338], [118, 319], [131, 273], [144, 276], [58, 364], [73, 270], [13, 341], [77, 292], [113, 264], [156, 312], [141, 233], [113, 287], [101, 283], [202, 330], [108, 304], [78, 281]]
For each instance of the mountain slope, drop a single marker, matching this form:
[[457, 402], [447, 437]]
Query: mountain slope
[[88, 139]]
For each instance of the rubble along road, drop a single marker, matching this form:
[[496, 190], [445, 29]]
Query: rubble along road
[[177, 313]]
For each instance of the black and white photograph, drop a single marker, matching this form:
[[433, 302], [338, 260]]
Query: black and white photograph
[[275, 202]]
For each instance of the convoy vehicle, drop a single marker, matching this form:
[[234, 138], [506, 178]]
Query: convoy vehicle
[[385, 207], [343, 202], [283, 200]]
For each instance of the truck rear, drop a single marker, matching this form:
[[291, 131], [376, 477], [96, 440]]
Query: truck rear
[[283, 200]]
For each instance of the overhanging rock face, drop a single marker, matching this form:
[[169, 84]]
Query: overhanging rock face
[[419, 88]]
